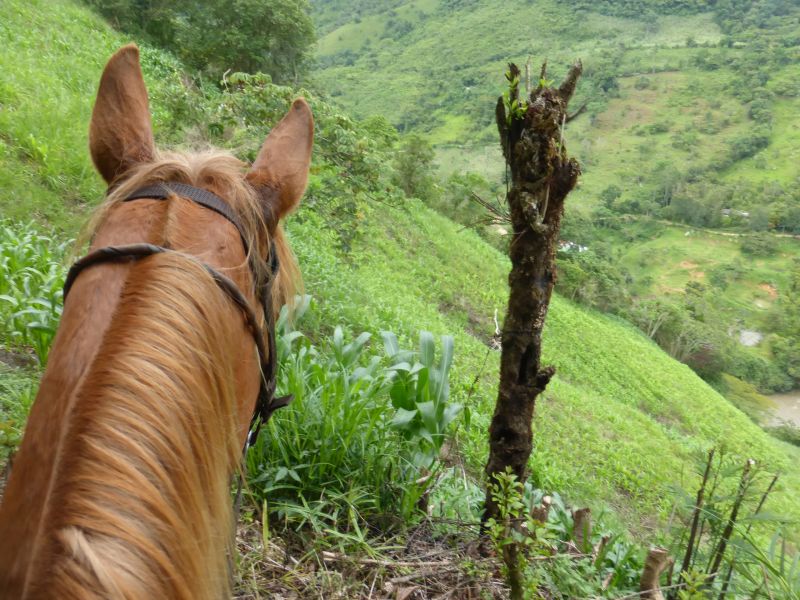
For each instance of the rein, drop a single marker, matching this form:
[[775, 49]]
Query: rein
[[266, 402]]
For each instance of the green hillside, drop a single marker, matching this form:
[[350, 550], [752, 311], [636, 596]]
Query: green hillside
[[46, 93], [620, 426], [664, 82], [621, 421], [690, 126]]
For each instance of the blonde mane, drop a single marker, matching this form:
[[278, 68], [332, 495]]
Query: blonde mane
[[152, 447], [141, 507]]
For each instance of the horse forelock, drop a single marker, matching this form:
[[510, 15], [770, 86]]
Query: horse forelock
[[223, 174]]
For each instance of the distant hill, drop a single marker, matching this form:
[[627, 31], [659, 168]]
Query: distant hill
[[664, 81], [692, 122]]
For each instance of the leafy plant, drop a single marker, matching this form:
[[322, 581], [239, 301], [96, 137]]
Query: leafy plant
[[515, 109], [420, 394], [336, 459], [30, 290]]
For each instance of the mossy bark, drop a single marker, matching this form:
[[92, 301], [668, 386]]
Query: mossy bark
[[541, 176]]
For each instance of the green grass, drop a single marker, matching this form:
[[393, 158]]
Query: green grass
[[51, 57], [677, 255], [620, 422], [47, 90]]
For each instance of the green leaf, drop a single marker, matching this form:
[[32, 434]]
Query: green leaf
[[427, 348], [427, 411], [390, 343], [401, 398], [451, 411], [362, 339], [338, 338], [423, 388], [448, 349], [403, 417]]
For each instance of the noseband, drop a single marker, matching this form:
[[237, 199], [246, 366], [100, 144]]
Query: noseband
[[266, 403]]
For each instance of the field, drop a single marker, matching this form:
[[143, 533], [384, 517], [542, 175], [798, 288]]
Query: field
[[687, 116]]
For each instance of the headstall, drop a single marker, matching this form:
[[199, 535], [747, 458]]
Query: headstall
[[266, 403]]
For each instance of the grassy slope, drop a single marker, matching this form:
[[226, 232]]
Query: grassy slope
[[619, 425], [51, 57], [622, 421], [453, 62]]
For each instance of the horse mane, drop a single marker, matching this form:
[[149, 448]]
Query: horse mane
[[142, 490], [144, 486]]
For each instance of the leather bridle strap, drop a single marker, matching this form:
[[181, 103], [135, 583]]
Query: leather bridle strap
[[133, 252], [165, 190], [266, 402]]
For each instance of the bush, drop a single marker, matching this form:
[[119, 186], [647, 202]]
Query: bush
[[749, 144], [413, 164], [358, 437], [762, 244], [786, 432]]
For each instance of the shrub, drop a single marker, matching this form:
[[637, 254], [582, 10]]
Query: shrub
[[358, 435], [749, 144], [761, 244], [786, 432]]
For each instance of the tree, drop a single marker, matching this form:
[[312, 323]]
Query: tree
[[541, 176], [414, 163], [271, 36], [609, 195], [759, 219]]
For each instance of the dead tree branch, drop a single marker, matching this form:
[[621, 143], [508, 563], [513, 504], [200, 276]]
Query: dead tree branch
[[541, 174]]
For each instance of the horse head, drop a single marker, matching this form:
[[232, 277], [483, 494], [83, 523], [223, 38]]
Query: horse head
[[121, 486]]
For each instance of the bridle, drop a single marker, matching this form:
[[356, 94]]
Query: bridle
[[266, 403]]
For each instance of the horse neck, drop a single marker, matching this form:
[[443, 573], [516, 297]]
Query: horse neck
[[138, 501]]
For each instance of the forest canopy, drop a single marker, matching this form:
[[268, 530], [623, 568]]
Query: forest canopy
[[271, 36]]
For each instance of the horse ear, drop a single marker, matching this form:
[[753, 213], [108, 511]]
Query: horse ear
[[283, 161], [120, 134]]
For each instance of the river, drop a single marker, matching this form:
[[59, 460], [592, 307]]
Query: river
[[787, 408]]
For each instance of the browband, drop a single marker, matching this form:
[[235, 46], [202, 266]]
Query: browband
[[164, 190]]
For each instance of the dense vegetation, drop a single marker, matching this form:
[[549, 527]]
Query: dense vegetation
[[273, 37], [620, 429]]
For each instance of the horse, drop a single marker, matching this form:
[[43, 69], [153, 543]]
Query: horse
[[122, 485]]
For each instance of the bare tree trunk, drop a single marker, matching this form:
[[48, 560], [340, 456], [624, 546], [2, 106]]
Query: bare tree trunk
[[531, 135]]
